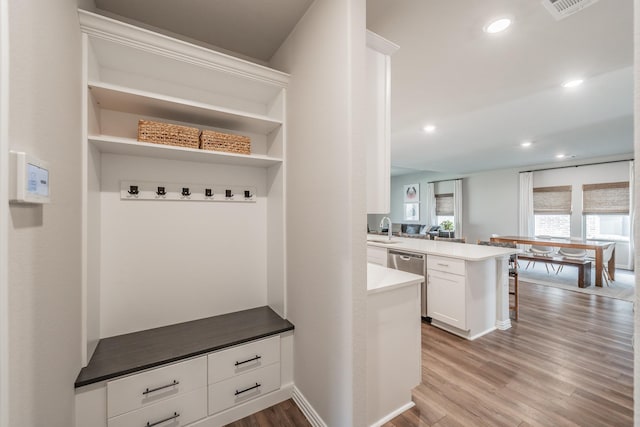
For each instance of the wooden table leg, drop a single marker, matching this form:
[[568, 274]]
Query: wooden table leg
[[584, 279], [599, 266]]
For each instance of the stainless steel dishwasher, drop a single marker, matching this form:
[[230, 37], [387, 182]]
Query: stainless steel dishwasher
[[412, 263]]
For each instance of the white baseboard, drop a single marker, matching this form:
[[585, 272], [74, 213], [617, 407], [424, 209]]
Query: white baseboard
[[393, 414], [312, 416], [503, 325]]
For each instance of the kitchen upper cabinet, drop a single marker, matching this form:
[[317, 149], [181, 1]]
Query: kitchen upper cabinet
[[378, 133]]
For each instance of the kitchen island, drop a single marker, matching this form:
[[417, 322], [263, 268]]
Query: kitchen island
[[393, 342], [467, 285]]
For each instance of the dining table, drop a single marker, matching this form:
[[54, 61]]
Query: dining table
[[597, 246]]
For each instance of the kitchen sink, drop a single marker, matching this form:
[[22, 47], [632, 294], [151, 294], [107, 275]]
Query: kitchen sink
[[384, 241]]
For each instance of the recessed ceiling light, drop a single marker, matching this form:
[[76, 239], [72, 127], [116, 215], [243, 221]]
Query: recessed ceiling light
[[572, 83], [497, 26], [526, 144], [560, 156], [429, 128]]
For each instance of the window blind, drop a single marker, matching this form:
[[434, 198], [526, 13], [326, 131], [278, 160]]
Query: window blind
[[552, 200], [606, 198], [444, 204]]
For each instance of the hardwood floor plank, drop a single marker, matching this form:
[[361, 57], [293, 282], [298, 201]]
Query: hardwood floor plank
[[567, 362]]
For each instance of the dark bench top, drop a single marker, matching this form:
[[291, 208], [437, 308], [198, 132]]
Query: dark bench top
[[137, 351], [555, 260]]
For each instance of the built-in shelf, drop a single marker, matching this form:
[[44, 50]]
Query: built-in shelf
[[131, 147], [118, 98]]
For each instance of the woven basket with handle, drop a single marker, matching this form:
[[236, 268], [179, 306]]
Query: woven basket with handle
[[218, 141], [168, 134]]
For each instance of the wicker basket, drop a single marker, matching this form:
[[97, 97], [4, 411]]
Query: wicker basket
[[218, 141], [168, 134]]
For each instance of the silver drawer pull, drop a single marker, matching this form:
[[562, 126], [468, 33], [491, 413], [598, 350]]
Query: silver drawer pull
[[151, 390], [248, 389], [172, 417], [249, 360], [443, 265]]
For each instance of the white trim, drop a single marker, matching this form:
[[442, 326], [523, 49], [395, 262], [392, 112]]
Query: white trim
[[130, 35], [381, 44], [4, 213], [503, 325], [393, 414], [312, 416]]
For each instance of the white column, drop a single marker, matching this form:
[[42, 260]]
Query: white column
[[503, 321]]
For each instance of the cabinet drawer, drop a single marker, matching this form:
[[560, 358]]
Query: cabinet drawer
[[448, 265], [175, 412], [137, 391], [243, 358], [239, 389]]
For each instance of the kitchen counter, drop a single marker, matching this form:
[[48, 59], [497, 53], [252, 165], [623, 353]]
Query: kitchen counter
[[382, 279], [465, 251], [393, 342]]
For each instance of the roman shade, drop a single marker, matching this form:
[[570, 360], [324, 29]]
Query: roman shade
[[552, 200], [606, 198], [444, 204]]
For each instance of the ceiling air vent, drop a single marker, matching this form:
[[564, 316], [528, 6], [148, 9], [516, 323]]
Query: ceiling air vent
[[560, 9]]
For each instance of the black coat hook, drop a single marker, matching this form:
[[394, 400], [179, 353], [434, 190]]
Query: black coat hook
[[133, 190], [247, 194], [161, 191], [228, 193], [208, 192], [185, 191]]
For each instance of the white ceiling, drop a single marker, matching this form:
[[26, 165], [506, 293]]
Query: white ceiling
[[252, 28], [485, 93]]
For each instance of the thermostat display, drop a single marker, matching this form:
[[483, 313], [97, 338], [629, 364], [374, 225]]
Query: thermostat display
[[29, 179], [38, 180]]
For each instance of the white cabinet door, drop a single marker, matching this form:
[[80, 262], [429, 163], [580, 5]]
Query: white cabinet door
[[376, 255], [446, 298], [378, 123]]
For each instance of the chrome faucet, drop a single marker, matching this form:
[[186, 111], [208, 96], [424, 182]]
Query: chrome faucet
[[382, 225]]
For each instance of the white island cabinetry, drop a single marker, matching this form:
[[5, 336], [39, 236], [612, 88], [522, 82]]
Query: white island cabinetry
[[467, 285]]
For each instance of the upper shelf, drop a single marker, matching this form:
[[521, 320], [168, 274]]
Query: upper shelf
[[118, 98], [131, 147]]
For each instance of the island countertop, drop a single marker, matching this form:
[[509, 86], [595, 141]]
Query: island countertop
[[465, 251], [382, 279]]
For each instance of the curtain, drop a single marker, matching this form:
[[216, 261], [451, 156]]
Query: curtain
[[632, 211], [526, 224], [431, 204], [457, 208]]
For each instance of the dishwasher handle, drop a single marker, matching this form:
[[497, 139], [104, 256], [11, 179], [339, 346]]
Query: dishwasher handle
[[406, 255]]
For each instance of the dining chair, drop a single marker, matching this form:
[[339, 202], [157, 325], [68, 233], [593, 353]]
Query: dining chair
[[571, 253], [539, 250], [606, 257]]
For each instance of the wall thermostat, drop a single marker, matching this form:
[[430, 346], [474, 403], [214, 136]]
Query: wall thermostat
[[29, 179]]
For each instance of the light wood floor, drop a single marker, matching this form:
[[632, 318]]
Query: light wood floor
[[568, 361]]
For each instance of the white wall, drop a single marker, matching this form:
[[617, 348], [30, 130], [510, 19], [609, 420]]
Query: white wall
[[165, 262], [44, 241], [326, 249], [490, 199]]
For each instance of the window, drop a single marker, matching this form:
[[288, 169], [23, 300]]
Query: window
[[605, 210], [444, 208], [552, 211]]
